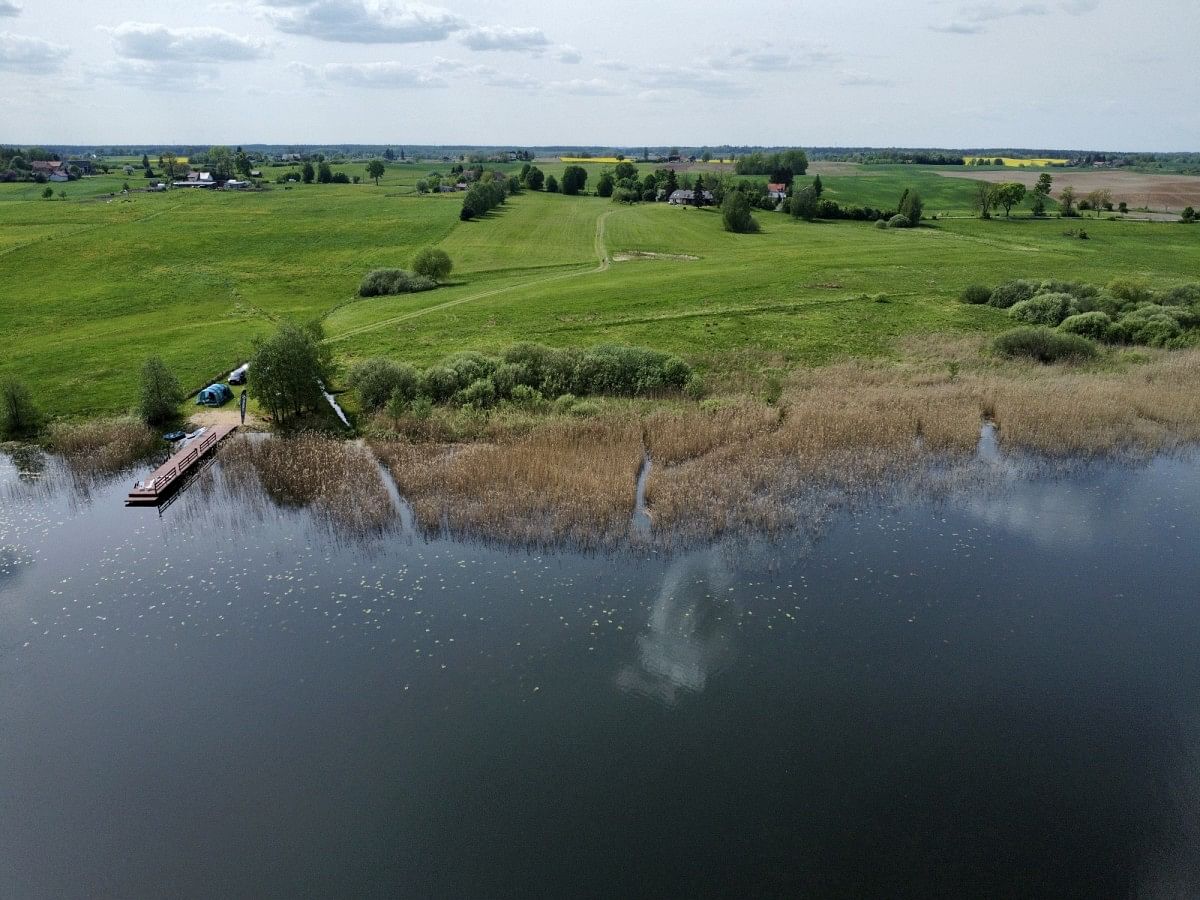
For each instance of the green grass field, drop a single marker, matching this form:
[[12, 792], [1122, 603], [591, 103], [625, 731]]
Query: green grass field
[[90, 287]]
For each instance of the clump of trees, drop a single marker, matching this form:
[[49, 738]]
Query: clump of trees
[[160, 394], [781, 167], [574, 180], [735, 214], [1126, 311], [525, 374], [386, 282], [484, 196], [19, 417], [289, 369]]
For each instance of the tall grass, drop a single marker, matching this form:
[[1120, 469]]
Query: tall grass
[[339, 480], [102, 446], [842, 430]]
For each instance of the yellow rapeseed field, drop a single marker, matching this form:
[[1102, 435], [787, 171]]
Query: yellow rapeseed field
[[1012, 161]]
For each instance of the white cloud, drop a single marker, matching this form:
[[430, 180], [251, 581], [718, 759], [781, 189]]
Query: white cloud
[[372, 75], [10, 8], [499, 37], [769, 58], [158, 43], [686, 78], [30, 55], [363, 21], [973, 17], [156, 75], [591, 87], [565, 53]]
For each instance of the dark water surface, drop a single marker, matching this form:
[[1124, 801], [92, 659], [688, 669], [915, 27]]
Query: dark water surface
[[991, 695]]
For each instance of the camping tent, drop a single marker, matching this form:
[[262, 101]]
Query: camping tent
[[214, 395]]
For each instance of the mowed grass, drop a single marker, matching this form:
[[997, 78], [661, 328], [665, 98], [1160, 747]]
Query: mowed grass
[[88, 289]]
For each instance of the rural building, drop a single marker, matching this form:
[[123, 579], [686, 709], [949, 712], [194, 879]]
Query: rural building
[[777, 191], [682, 197], [59, 175], [46, 166], [234, 185], [197, 180]]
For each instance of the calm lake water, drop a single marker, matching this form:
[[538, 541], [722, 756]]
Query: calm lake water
[[993, 694]]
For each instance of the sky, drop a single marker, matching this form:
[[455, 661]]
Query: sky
[[1067, 74]]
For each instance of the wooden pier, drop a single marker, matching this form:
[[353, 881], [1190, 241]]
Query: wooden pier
[[153, 490]]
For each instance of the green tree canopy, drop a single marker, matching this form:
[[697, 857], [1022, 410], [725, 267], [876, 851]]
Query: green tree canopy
[[573, 180], [735, 214], [375, 169], [432, 262], [160, 394], [288, 368]]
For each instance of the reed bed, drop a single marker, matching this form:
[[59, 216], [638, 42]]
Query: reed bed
[[565, 482], [836, 433], [340, 480], [103, 446]]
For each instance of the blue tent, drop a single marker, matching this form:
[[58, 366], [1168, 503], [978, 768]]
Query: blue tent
[[214, 395]]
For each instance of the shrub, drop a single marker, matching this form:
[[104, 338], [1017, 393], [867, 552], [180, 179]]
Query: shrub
[[161, 393], [526, 396], [975, 293], [1132, 290], [1012, 292], [1044, 309], [585, 408], [1094, 325], [378, 380], [432, 263], [438, 384], [1182, 295], [899, 221], [383, 282], [479, 394], [735, 214], [1043, 344], [1152, 325], [564, 402], [880, 223], [695, 389], [18, 415]]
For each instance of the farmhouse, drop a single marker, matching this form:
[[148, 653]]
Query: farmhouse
[[197, 180], [682, 197], [777, 191], [46, 167]]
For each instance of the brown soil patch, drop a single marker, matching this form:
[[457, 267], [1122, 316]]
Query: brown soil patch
[[1157, 192], [628, 255]]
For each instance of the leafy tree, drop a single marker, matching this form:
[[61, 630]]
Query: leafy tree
[[983, 200], [221, 162], [375, 169], [145, 161], [47, 193], [242, 163], [1066, 201], [161, 392], [698, 191], [534, 179], [289, 368], [18, 415], [1188, 215], [307, 173], [551, 184], [624, 170], [671, 184], [432, 262], [817, 187], [1043, 184], [324, 173], [1099, 199], [1008, 194], [389, 154], [706, 155], [1122, 207], [573, 180], [604, 187], [911, 207], [735, 214], [803, 204], [171, 166]]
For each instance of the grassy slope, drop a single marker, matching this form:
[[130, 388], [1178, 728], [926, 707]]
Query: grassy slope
[[88, 289]]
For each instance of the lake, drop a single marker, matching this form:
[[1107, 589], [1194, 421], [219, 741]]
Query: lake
[[990, 692]]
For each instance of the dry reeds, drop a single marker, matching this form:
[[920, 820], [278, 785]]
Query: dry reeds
[[340, 480], [103, 446], [837, 431], [567, 481]]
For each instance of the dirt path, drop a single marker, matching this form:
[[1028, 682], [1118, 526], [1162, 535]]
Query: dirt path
[[602, 256]]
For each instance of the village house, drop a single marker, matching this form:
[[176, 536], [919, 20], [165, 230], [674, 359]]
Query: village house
[[777, 191], [45, 166], [197, 180], [683, 197]]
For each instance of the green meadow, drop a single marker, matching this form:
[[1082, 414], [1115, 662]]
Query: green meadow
[[91, 286]]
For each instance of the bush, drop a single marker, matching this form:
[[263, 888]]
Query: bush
[[432, 263], [564, 402], [976, 294], [438, 384], [1152, 325], [161, 393], [1043, 344], [1131, 290], [377, 381], [1012, 292], [695, 389], [18, 415], [1044, 309], [881, 223], [383, 282], [735, 214], [527, 397], [479, 394], [1182, 295], [585, 408], [899, 221], [1094, 325]]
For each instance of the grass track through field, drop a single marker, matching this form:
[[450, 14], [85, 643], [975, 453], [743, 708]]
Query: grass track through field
[[602, 256]]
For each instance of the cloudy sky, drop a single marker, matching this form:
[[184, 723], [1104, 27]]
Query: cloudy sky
[[1047, 73]]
